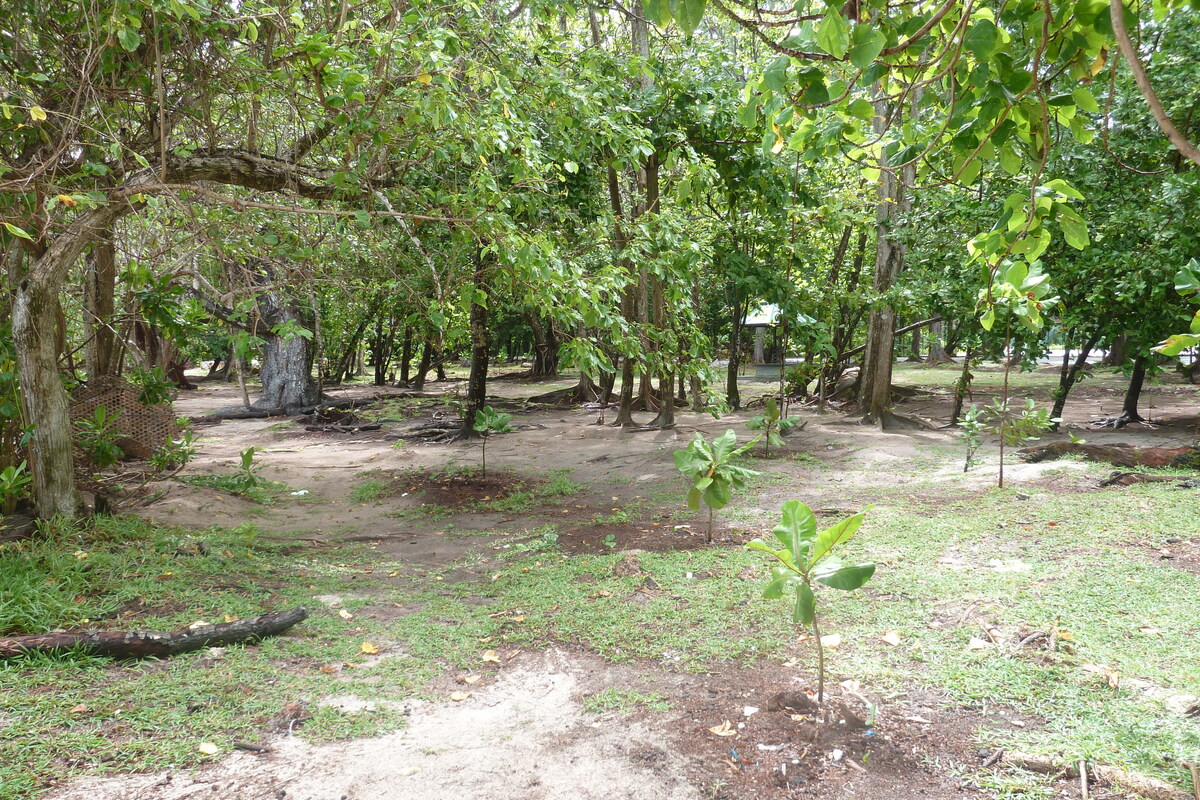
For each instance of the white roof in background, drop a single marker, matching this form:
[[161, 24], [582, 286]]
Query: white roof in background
[[763, 315]]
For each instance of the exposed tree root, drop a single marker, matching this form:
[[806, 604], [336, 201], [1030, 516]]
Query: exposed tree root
[[145, 644], [1119, 455], [1150, 788]]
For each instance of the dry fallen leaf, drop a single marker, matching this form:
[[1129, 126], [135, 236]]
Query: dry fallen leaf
[[724, 729], [369, 648], [1148, 631], [458, 697], [491, 657], [344, 614], [892, 638], [208, 748], [328, 669], [406, 771], [230, 618], [831, 640], [79, 709], [978, 644], [468, 679]]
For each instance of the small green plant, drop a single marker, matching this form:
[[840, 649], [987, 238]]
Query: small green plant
[[710, 468], [1018, 426], [973, 425], [1076, 439], [618, 516], [773, 425], [154, 387], [14, 487], [488, 421], [97, 437], [610, 541], [175, 452], [247, 477], [807, 558], [368, 491]]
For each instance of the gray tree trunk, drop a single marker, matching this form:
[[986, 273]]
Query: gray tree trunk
[[894, 202]]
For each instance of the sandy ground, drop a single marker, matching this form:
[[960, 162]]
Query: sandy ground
[[524, 737]]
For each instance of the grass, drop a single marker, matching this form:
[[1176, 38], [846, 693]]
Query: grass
[[369, 491], [624, 701], [262, 491]]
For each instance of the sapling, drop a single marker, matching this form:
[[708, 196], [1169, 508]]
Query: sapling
[[807, 558], [488, 421], [708, 465], [773, 425], [14, 485]]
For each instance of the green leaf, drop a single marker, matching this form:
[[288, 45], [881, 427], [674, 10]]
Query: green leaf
[[833, 34], [688, 13], [1195, 326], [1010, 160], [1075, 232], [18, 232], [1187, 280], [796, 529], [693, 499], [847, 578], [1084, 99], [980, 40], [868, 43], [833, 536], [775, 75], [658, 12], [806, 605], [989, 318], [130, 39], [571, 167]]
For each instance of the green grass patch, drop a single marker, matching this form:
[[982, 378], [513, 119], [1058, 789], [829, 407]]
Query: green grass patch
[[624, 701]]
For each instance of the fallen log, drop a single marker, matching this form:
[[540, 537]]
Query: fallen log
[[334, 428], [1119, 455], [150, 644], [1130, 478], [1147, 787]]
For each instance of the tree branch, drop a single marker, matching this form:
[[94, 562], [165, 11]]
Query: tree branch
[[1181, 143]]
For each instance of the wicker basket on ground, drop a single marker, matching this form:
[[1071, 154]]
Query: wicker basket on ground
[[140, 429]]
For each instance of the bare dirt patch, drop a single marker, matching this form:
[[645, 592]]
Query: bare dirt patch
[[456, 489]]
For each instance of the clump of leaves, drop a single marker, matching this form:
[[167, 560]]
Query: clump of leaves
[[175, 453], [488, 421], [973, 425], [708, 465], [14, 486], [247, 477], [1016, 424], [97, 437], [154, 387], [807, 558], [773, 425]]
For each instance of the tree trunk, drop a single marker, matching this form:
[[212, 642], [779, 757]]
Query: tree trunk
[[1129, 409], [732, 395], [894, 201], [545, 347], [1068, 377], [46, 407], [423, 366], [406, 354], [98, 308], [287, 381], [477, 383], [937, 352]]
